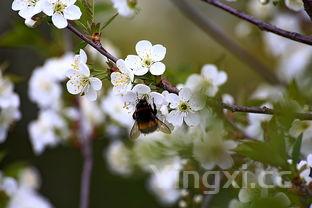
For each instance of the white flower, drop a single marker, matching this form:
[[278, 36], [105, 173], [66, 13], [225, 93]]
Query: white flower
[[26, 197], [8, 185], [305, 128], [208, 82], [246, 196], [125, 7], [9, 103], [48, 130], [30, 22], [262, 11], [295, 5], [27, 8], [80, 61], [118, 158], [113, 106], [58, 67], [254, 128], [141, 91], [212, 150], [7, 117], [123, 79], [185, 107], [61, 11], [268, 92], [148, 59], [305, 166], [29, 177], [80, 82], [44, 89], [164, 182]]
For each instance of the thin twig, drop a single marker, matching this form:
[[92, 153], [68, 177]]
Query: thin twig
[[261, 24], [166, 85], [86, 149], [262, 110], [86, 173], [210, 28]]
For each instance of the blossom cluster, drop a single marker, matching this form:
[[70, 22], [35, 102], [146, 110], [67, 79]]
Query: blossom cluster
[[9, 106], [60, 11], [23, 191]]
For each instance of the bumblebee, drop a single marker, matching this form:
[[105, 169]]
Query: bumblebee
[[146, 120]]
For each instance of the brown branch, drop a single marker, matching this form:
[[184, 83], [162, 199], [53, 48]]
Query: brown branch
[[261, 24], [166, 85], [96, 46], [210, 28], [262, 110], [86, 148], [85, 138]]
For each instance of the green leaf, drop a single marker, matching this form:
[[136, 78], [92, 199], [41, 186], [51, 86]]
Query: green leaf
[[87, 17], [295, 155], [2, 155], [261, 151], [22, 36], [102, 7], [272, 151], [109, 21], [13, 170]]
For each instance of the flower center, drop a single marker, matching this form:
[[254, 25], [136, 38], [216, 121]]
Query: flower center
[[122, 79], [132, 3], [147, 62], [31, 2], [183, 107], [59, 7]]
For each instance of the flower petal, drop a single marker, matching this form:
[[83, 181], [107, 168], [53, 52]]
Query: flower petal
[[96, 83], [175, 117], [173, 99], [158, 53], [135, 63], [90, 93], [197, 102], [143, 48], [83, 56], [72, 73], [73, 86], [18, 5], [244, 196], [221, 79], [72, 12], [192, 119], [59, 21], [47, 8], [84, 69], [309, 160], [225, 161], [157, 68], [157, 98], [193, 81], [185, 94], [141, 89]]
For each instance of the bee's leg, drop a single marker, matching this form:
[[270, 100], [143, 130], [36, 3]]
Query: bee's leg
[[155, 109]]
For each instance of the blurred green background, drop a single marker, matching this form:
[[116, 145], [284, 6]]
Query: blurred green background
[[188, 48]]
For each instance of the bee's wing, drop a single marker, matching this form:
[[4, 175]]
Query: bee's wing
[[163, 127], [135, 132]]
